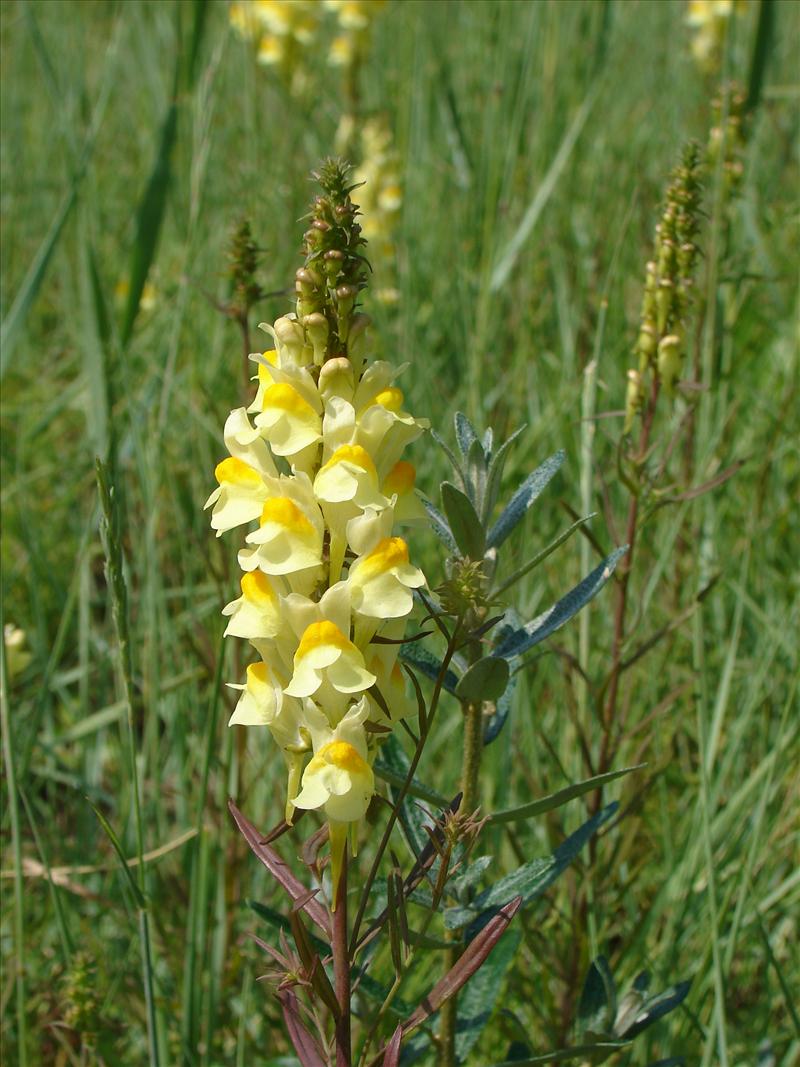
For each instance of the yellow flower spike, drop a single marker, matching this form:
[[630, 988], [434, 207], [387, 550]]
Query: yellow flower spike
[[341, 425], [381, 581]]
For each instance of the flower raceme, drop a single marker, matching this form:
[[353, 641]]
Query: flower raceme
[[315, 473]]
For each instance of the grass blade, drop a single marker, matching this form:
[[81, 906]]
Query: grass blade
[[149, 217]]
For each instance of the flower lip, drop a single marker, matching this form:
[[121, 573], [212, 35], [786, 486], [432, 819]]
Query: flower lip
[[284, 512], [236, 472], [354, 454], [388, 553], [256, 587], [286, 398], [322, 635], [344, 756], [390, 398]]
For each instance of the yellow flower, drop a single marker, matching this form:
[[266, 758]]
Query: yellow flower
[[290, 533], [381, 581], [339, 778], [256, 613], [327, 654]]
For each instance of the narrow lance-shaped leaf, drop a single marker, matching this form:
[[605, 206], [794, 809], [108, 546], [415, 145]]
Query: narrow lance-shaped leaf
[[465, 433], [464, 522], [656, 1007], [562, 796], [528, 881], [477, 474], [594, 1053], [495, 475], [439, 525], [308, 1052], [476, 1003], [473, 957], [392, 1055], [516, 508], [457, 469], [540, 628], [280, 871]]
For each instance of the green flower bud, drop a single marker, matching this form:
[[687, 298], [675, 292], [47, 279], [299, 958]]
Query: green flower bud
[[317, 330], [664, 296], [670, 359], [633, 398]]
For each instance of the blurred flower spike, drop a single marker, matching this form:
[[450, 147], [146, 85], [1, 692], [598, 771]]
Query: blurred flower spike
[[709, 22], [315, 471]]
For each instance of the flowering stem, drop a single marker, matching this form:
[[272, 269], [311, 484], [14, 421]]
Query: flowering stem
[[341, 970], [622, 596], [437, 691], [470, 776], [473, 749]]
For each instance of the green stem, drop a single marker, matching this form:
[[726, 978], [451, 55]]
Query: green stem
[[473, 750], [341, 970], [470, 787], [16, 845]]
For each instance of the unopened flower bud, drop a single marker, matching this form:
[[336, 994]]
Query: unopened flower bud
[[633, 398], [669, 361], [336, 378], [663, 303], [317, 330], [291, 340], [647, 344], [332, 262]]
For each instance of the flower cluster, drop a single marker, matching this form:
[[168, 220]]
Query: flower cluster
[[354, 18], [668, 288], [382, 197], [708, 21], [315, 468], [284, 31], [280, 29]]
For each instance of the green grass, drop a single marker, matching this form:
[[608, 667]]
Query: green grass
[[536, 140]]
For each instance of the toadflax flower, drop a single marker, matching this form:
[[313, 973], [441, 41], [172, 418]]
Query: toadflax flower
[[316, 471]]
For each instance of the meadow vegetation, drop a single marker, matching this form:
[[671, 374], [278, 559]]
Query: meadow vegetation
[[534, 143]]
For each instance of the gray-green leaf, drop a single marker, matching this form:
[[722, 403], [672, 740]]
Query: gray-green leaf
[[485, 680], [464, 522], [516, 508], [520, 641]]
